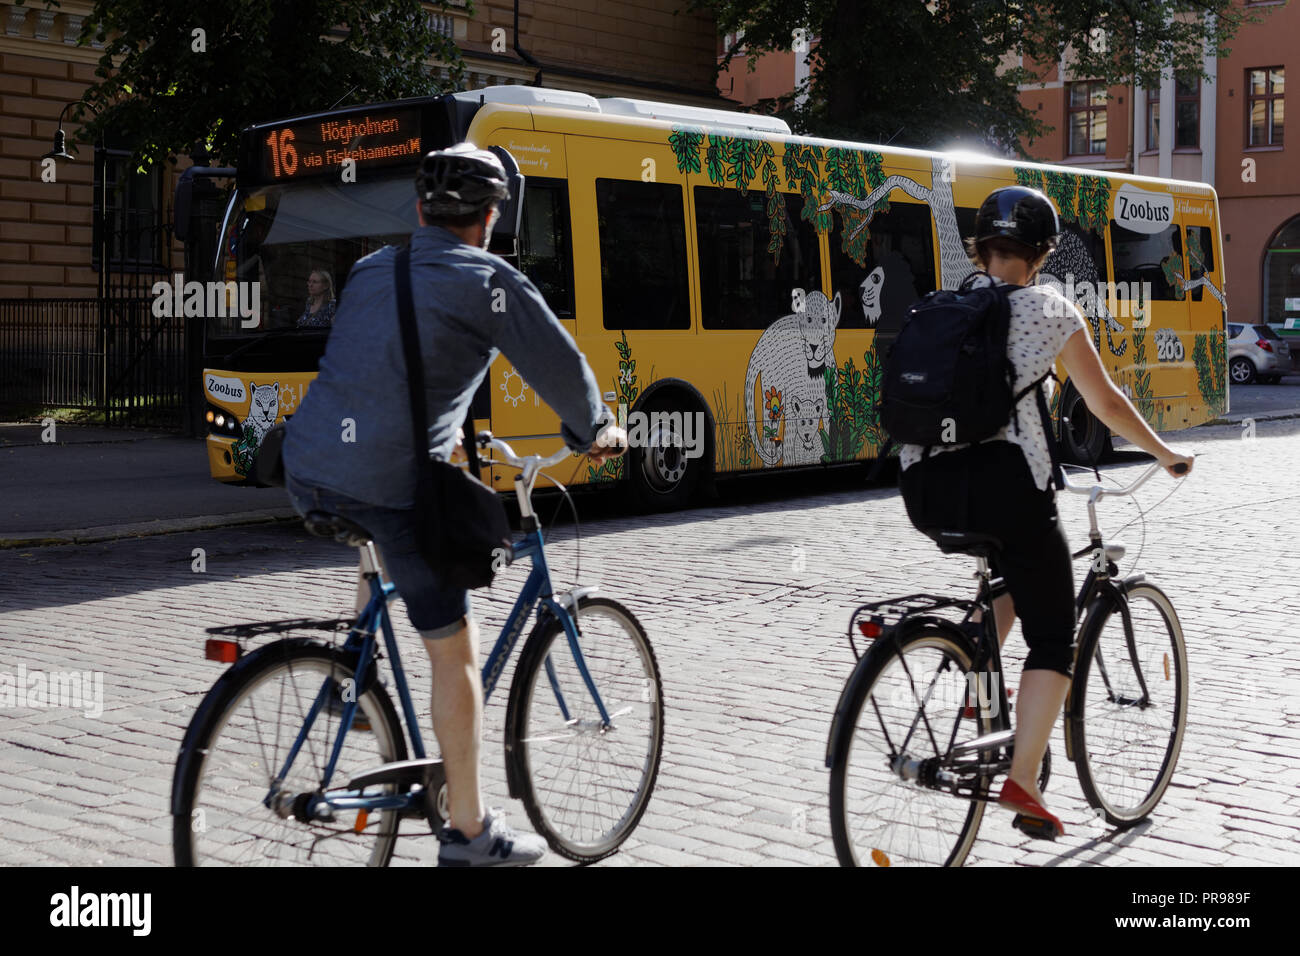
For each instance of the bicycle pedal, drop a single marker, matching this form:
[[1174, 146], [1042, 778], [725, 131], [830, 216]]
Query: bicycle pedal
[[1035, 827]]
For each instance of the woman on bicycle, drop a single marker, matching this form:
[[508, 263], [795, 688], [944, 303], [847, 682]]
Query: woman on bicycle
[[1000, 487]]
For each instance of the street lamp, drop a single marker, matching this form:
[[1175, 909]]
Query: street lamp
[[60, 150]]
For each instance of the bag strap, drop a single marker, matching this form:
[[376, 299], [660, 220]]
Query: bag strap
[[1058, 476], [414, 379]]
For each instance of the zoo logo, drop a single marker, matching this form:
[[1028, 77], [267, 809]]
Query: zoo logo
[[1169, 347]]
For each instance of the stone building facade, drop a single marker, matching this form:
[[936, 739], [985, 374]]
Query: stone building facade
[[643, 49]]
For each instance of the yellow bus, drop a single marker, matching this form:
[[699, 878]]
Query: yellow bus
[[732, 284]]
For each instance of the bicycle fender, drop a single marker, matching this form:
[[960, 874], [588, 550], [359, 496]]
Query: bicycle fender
[[883, 644], [516, 772], [1111, 593], [217, 694], [846, 695]]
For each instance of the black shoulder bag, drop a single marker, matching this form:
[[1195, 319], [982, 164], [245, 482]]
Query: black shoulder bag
[[460, 522]]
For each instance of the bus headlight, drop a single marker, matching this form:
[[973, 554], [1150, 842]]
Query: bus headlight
[[223, 423]]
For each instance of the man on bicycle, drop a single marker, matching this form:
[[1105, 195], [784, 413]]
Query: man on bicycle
[[348, 450]]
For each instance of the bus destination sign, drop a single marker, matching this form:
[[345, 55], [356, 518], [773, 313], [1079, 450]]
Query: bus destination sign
[[322, 145]]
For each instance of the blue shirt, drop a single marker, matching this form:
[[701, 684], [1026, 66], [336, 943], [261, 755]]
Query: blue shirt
[[352, 433]]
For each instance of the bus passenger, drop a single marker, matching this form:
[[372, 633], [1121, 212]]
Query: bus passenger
[[319, 310]]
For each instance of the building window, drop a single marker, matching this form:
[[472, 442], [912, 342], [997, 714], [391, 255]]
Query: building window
[[1153, 118], [1282, 276], [742, 283], [1264, 89], [1187, 112], [128, 213], [1087, 117], [642, 228]]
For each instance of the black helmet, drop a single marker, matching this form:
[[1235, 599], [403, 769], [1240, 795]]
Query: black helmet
[[1020, 214], [460, 180]]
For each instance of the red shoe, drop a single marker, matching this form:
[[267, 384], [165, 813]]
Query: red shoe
[[969, 709], [1031, 816]]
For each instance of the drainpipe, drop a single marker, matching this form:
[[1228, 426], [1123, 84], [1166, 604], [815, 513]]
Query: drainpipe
[[524, 54]]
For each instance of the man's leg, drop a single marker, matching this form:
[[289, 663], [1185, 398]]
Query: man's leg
[[458, 722]]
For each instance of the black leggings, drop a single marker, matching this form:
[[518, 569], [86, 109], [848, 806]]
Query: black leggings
[[988, 489]]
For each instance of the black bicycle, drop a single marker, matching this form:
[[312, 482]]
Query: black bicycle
[[923, 729]]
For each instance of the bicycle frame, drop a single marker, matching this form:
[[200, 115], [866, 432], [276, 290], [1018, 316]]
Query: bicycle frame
[[536, 593]]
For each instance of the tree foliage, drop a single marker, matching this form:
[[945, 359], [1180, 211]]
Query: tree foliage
[[932, 74], [164, 88]]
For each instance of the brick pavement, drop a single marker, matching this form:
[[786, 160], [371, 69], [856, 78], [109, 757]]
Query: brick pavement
[[746, 605]]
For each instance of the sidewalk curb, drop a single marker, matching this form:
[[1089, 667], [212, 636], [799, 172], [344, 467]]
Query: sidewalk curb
[[5, 443], [144, 529], [1237, 419]]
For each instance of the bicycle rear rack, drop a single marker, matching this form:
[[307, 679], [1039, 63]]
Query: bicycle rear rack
[[255, 628], [883, 618], [221, 647]]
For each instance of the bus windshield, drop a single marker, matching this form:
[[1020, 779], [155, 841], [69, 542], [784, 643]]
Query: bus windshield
[[278, 236]]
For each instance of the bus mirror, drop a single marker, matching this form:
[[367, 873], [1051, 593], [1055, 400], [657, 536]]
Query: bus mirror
[[512, 209]]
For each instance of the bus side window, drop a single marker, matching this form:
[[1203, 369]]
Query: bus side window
[[545, 242], [897, 268], [1200, 256], [643, 277], [744, 284], [1154, 258]]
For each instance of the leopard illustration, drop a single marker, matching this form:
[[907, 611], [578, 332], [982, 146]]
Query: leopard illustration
[[790, 358]]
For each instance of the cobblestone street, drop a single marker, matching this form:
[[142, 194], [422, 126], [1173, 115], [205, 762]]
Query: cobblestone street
[[746, 604]]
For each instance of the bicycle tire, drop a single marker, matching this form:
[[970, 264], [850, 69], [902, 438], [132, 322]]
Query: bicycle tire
[[534, 723], [1090, 708], [868, 683], [220, 719]]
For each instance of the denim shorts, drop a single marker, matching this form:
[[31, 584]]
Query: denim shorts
[[435, 609]]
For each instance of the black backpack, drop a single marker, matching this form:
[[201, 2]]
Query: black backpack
[[947, 379]]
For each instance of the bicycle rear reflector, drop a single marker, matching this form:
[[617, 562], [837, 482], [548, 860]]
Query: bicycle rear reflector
[[871, 630], [218, 650]]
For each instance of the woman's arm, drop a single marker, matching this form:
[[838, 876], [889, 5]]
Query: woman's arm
[[1110, 405]]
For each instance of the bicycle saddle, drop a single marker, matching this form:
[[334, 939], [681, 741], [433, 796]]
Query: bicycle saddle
[[328, 525], [965, 542]]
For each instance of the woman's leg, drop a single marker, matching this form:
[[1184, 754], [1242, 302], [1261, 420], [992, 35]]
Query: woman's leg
[[1035, 566], [1042, 694], [1004, 615]]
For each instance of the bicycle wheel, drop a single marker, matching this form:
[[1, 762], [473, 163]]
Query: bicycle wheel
[[237, 743], [1126, 745], [878, 819], [585, 786]]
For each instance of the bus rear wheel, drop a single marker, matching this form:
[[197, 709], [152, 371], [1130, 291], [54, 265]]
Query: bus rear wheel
[[663, 473]]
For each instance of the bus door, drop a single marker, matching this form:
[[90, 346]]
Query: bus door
[[545, 254]]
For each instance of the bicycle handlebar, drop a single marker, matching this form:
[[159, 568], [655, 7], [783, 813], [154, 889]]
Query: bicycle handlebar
[[528, 464], [1102, 492]]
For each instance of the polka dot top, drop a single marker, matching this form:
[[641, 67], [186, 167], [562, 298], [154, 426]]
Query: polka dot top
[[1041, 321]]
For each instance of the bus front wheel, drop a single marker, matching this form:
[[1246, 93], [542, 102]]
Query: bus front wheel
[[663, 469]]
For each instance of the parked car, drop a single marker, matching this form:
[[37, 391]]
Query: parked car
[[1289, 329], [1256, 352]]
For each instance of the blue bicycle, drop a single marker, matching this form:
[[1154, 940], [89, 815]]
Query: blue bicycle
[[297, 755]]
